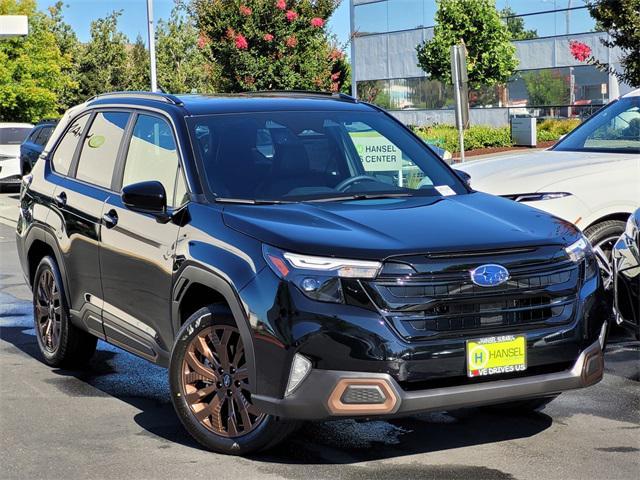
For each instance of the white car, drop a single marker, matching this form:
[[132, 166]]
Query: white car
[[590, 178], [11, 136]]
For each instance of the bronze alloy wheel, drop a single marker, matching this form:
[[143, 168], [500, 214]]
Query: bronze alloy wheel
[[215, 382], [48, 311]]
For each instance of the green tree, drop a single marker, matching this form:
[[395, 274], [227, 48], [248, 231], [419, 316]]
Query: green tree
[[516, 26], [70, 47], [103, 65], [621, 19], [491, 57], [182, 65], [270, 44], [546, 87], [34, 73], [139, 66]]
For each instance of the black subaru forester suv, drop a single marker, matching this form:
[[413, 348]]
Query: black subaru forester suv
[[293, 256]]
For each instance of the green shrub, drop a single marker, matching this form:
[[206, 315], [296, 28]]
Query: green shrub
[[482, 136], [552, 129], [477, 136]]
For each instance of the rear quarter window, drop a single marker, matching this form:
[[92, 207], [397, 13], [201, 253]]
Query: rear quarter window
[[63, 154]]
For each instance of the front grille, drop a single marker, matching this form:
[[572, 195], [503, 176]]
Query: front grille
[[446, 302]]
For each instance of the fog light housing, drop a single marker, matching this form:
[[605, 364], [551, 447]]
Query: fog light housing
[[363, 394], [300, 368]]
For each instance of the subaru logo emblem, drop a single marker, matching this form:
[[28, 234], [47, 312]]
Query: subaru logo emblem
[[489, 275]]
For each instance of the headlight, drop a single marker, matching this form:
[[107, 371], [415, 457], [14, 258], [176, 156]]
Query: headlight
[[536, 197], [581, 250], [578, 249], [318, 277]]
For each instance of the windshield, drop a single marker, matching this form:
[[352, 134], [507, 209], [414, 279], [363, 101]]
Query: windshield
[[295, 156], [615, 129], [13, 135]]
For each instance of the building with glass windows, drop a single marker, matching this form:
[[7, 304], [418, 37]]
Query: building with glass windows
[[549, 81]]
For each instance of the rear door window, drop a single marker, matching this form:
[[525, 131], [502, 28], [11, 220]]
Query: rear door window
[[63, 154], [100, 148]]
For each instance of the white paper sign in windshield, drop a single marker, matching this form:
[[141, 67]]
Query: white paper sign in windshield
[[377, 153]]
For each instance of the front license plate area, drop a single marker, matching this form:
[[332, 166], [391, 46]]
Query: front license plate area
[[496, 355]]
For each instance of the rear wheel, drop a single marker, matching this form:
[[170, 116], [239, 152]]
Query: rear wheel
[[60, 342], [209, 378]]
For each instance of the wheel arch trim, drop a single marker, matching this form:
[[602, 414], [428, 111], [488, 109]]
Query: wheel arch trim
[[196, 274]]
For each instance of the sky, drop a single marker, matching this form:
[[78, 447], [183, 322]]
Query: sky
[[80, 13]]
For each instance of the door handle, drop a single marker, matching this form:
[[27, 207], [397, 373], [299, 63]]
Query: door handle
[[61, 199], [110, 219]]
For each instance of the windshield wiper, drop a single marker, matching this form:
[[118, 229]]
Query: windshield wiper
[[360, 196], [249, 201]]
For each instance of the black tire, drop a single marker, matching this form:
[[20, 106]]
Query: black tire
[[267, 431], [72, 347], [602, 237], [520, 406]]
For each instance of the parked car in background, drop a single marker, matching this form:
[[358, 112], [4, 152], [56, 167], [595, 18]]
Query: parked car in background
[[33, 145], [591, 177], [626, 267], [11, 137]]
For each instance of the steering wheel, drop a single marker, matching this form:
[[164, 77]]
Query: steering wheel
[[342, 186]]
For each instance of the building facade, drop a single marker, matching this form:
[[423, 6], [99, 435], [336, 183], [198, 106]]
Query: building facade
[[549, 81]]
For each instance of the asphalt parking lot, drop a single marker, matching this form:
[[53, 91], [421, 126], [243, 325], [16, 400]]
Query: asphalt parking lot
[[114, 420]]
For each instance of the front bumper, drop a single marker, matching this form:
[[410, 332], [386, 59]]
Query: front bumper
[[318, 397]]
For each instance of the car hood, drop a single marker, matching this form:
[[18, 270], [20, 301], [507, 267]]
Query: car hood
[[533, 172], [377, 229]]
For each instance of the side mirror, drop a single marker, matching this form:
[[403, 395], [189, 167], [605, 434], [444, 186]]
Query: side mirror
[[466, 178], [147, 197]]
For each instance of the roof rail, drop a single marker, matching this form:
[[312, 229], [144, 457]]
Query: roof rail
[[304, 93], [159, 96]]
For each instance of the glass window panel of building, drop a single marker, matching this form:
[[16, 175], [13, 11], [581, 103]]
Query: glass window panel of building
[[583, 85], [371, 18], [394, 15]]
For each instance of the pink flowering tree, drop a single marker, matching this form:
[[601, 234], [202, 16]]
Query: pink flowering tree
[[271, 44], [580, 51]]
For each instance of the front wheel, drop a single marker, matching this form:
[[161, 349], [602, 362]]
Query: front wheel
[[603, 236], [209, 380]]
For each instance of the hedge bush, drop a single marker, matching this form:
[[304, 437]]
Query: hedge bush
[[482, 136]]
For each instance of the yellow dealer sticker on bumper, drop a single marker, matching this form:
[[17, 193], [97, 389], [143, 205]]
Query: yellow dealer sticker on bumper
[[495, 355]]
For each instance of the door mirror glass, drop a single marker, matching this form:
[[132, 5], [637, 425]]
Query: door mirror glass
[[149, 197]]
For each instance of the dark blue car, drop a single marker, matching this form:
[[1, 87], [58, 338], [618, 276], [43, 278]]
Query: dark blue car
[[34, 144]]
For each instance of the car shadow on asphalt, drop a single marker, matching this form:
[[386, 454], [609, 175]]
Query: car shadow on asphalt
[[114, 373]]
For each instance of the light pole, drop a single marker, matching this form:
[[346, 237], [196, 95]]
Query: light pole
[[152, 45], [354, 84]]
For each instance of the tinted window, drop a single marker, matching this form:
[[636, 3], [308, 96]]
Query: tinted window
[[615, 129], [314, 155], [43, 135], [33, 135], [152, 155], [100, 148], [63, 155], [13, 135]]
